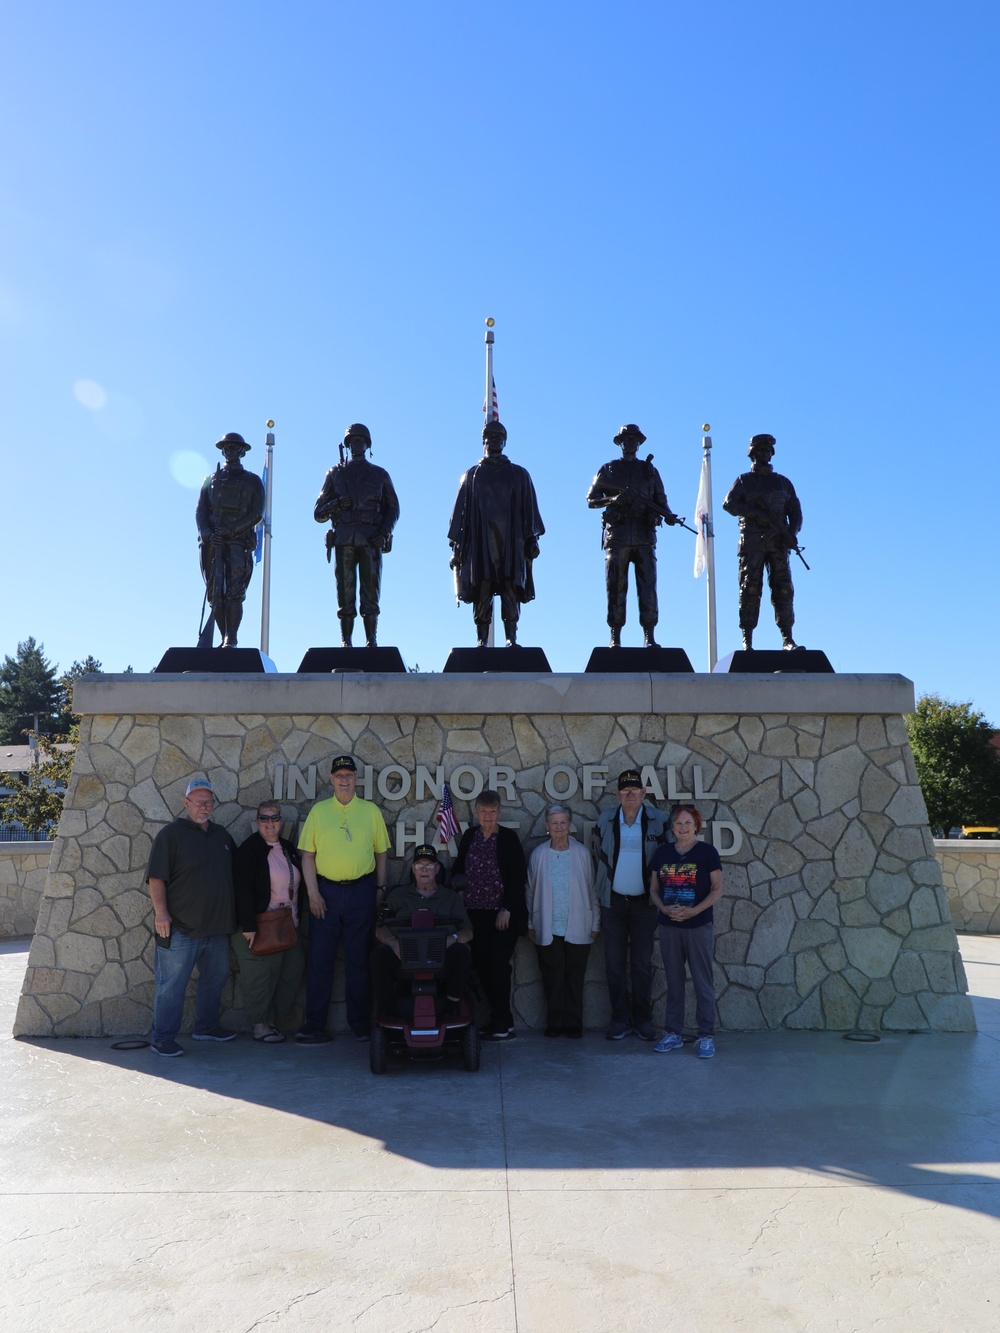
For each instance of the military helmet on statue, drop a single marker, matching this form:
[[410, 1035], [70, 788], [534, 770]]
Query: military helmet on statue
[[630, 432]]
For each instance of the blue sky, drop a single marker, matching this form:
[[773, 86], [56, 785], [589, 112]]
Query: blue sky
[[771, 217]]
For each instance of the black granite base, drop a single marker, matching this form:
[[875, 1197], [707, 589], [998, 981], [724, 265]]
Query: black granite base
[[616, 660], [218, 661], [771, 661], [383, 661], [470, 660]]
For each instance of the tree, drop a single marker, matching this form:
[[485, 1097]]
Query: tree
[[36, 801], [67, 680], [29, 695], [958, 768]]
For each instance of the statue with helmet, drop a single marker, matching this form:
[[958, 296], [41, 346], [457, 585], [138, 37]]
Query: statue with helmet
[[631, 493], [230, 505], [770, 518], [359, 501], [494, 532]]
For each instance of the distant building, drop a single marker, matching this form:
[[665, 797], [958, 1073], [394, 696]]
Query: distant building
[[16, 762]]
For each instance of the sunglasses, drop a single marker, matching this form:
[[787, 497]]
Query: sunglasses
[[268, 819]]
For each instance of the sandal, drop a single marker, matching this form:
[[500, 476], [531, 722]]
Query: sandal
[[266, 1033]]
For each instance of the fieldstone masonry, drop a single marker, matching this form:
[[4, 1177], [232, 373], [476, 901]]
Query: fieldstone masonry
[[23, 869], [971, 874], [834, 915]]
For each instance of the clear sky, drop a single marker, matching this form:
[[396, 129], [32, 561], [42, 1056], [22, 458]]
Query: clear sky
[[773, 216]]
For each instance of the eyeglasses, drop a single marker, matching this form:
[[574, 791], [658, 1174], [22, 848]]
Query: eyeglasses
[[346, 831], [268, 819]]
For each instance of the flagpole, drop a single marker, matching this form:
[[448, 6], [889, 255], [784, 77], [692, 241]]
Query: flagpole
[[713, 656], [265, 579], [491, 415]]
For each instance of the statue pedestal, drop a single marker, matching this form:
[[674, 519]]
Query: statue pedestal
[[472, 660], [659, 660], [225, 661], [771, 661], [321, 661]]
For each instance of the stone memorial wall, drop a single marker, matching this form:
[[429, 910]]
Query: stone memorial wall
[[834, 914]]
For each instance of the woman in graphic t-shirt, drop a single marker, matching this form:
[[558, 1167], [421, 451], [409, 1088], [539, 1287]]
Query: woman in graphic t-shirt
[[685, 882], [267, 874]]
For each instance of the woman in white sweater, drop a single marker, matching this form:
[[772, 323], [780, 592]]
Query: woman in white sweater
[[563, 919]]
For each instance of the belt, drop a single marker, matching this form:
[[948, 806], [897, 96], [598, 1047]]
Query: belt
[[346, 883], [629, 897]]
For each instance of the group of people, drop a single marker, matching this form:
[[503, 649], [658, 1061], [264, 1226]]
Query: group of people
[[646, 875]]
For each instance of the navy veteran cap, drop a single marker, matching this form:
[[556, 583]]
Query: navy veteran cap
[[425, 852], [630, 777], [344, 761]]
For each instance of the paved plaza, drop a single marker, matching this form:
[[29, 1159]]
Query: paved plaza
[[798, 1181]]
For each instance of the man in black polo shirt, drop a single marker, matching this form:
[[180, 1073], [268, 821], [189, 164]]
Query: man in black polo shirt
[[190, 877]]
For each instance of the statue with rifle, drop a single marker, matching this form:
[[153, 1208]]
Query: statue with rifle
[[359, 501], [770, 518], [631, 494], [230, 505]]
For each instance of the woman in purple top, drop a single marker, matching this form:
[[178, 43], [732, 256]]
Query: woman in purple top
[[491, 873], [685, 881]]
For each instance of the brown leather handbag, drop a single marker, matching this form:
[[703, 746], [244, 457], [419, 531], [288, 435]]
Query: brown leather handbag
[[275, 932]]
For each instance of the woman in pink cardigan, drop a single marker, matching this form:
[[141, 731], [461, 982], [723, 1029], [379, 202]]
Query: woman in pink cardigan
[[563, 920]]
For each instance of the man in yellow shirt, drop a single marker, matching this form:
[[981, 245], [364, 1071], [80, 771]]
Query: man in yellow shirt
[[345, 858]]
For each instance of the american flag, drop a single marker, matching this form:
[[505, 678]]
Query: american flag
[[444, 816], [486, 401]]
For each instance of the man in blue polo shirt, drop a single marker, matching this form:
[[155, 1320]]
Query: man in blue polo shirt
[[190, 878], [623, 844]]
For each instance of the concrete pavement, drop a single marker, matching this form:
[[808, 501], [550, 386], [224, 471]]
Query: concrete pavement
[[798, 1181]]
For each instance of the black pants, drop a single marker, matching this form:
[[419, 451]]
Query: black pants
[[492, 952], [563, 967], [385, 974], [629, 927]]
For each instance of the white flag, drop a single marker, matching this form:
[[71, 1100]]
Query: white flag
[[702, 515]]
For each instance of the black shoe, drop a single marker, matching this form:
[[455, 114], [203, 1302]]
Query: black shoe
[[309, 1035], [573, 1032], [494, 1034], [554, 1032], [361, 1033]]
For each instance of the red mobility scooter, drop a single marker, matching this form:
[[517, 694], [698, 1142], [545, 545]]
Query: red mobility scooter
[[424, 1024]]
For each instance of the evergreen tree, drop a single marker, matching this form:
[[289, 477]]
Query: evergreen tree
[[89, 665], [958, 768], [28, 691]]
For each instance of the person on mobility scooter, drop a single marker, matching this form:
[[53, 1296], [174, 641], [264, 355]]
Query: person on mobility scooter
[[423, 933]]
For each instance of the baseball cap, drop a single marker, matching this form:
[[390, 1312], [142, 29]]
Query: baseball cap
[[199, 784]]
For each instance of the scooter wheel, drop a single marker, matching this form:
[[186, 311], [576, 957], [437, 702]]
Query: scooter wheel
[[377, 1046], [471, 1048]]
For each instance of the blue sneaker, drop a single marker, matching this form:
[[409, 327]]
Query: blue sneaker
[[670, 1041], [704, 1048]]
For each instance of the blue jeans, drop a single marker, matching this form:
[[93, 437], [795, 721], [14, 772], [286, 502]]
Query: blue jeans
[[350, 915], [173, 967]]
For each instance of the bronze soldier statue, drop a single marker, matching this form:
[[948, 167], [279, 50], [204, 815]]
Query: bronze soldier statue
[[770, 518], [494, 532], [634, 502], [359, 500], [230, 506]]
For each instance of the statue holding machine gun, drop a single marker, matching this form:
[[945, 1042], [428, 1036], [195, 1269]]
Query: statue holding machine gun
[[634, 502], [359, 500], [230, 506], [770, 518]]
